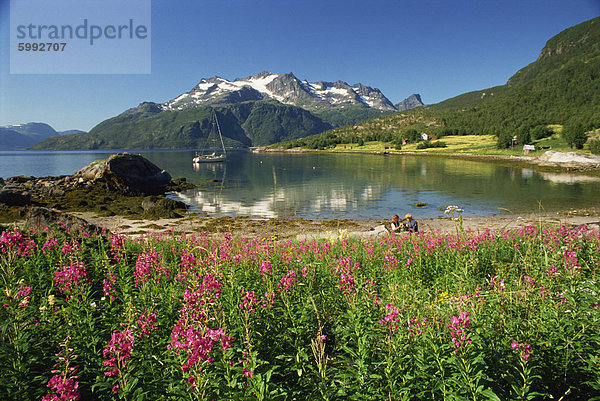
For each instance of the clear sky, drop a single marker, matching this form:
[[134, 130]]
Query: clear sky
[[438, 49]]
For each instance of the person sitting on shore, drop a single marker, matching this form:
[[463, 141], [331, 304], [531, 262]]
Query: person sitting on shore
[[410, 225], [395, 225]]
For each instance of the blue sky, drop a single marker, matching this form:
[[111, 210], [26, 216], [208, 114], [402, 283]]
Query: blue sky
[[438, 49]]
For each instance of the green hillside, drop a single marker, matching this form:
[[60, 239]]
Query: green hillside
[[562, 87], [242, 125]]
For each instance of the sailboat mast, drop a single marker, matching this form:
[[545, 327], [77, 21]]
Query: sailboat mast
[[219, 130]]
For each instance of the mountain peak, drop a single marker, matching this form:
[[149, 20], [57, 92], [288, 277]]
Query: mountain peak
[[410, 102], [285, 88]]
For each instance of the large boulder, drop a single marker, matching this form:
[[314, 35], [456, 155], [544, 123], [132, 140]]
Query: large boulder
[[127, 172]]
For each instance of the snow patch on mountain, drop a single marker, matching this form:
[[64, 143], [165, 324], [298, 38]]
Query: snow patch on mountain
[[284, 88]]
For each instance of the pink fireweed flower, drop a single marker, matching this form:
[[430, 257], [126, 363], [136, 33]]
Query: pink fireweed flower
[[525, 349], [304, 271], [347, 283], [73, 247], [552, 271], [529, 280], [13, 241], [343, 265], [370, 289], [108, 286], [65, 389], [188, 259], [571, 259], [265, 268], [247, 373], [147, 265], [119, 352], [146, 322], [226, 342], [71, 278], [390, 262], [415, 327], [23, 296], [458, 330], [391, 319], [287, 281], [248, 302], [197, 343], [117, 242], [268, 300], [49, 245], [197, 301]]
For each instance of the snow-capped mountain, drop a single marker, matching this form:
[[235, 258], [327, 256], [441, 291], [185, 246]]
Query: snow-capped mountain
[[285, 88]]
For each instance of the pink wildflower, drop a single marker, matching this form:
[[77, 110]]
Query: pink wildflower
[[265, 268], [148, 264], [415, 327], [49, 245], [287, 281], [458, 330], [65, 389], [13, 241], [108, 286], [497, 285], [525, 349], [248, 301], [147, 322], [71, 278], [391, 319], [117, 242], [552, 271], [119, 352], [347, 283], [268, 300]]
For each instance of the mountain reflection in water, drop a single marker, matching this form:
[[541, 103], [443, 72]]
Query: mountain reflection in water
[[327, 186]]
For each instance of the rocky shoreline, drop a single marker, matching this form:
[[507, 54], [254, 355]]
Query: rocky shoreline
[[123, 185]]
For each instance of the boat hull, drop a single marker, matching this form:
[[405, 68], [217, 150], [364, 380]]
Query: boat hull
[[208, 159]]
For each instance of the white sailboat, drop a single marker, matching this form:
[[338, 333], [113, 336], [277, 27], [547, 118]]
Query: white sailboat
[[213, 157]]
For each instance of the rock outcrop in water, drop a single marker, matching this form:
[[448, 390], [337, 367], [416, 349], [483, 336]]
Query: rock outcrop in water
[[124, 184], [126, 172]]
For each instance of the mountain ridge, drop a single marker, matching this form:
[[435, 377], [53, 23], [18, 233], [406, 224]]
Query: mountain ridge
[[257, 110], [285, 88], [19, 136]]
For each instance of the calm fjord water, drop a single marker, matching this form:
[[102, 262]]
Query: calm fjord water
[[327, 186]]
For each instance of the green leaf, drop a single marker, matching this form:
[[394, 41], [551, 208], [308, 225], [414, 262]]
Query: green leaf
[[490, 395]]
